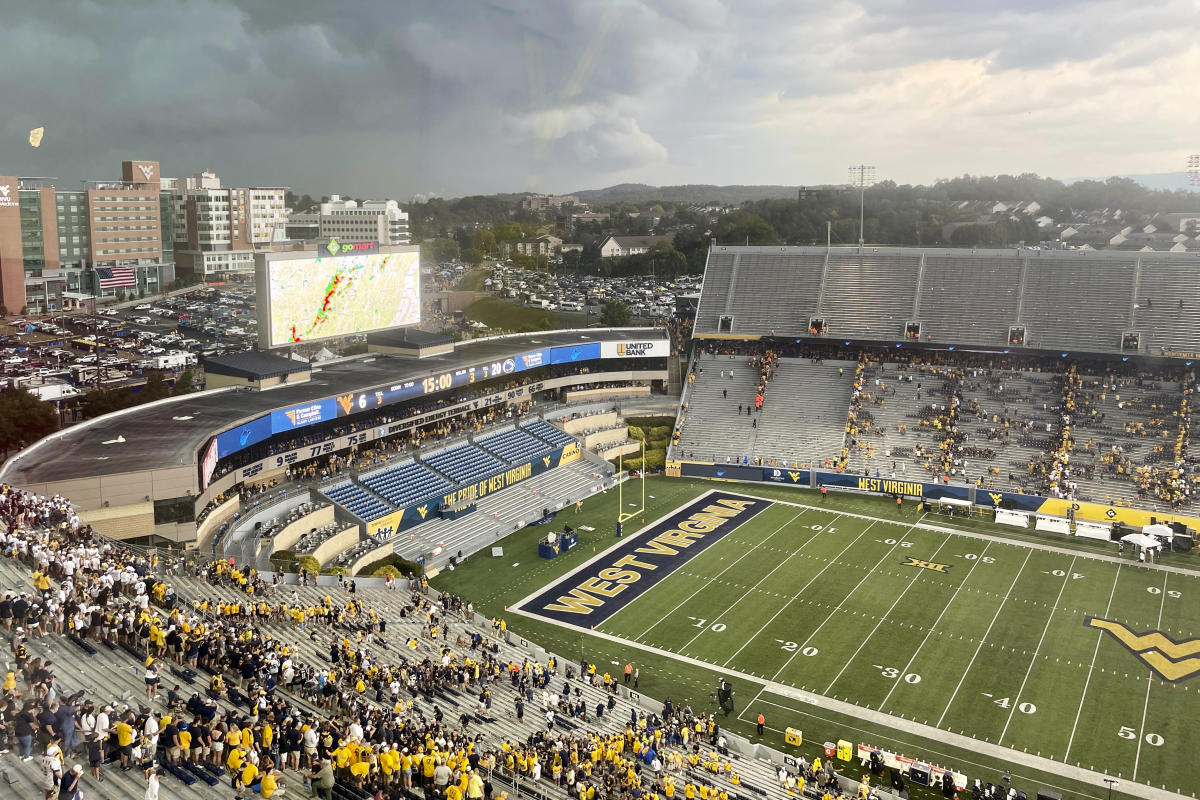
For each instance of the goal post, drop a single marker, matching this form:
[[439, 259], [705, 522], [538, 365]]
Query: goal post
[[622, 515]]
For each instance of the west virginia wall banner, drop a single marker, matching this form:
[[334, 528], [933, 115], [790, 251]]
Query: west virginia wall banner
[[606, 584], [864, 483]]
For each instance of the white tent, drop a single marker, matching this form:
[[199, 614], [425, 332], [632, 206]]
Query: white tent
[[322, 355], [1159, 530], [1141, 540]]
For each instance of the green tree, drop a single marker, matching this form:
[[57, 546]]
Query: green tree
[[185, 383], [439, 250], [484, 241], [24, 419], [615, 314], [105, 401], [155, 389]]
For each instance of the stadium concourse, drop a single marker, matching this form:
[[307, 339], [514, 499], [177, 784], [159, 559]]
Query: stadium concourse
[[130, 675], [175, 472], [1056, 374]]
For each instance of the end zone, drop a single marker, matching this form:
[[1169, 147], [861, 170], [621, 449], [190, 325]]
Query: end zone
[[599, 588]]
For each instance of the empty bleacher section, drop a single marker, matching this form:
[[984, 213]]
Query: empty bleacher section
[[804, 414], [357, 500], [717, 275], [544, 430], [1168, 305], [970, 300], [775, 292], [869, 295], [1077, 303], [513, 445], [712, 427], [463, 462], [405, 483], [1078, 300]]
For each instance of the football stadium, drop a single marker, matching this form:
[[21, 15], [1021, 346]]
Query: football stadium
[[925, 527]]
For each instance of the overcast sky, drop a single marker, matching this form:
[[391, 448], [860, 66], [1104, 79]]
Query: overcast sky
[[395, 98]]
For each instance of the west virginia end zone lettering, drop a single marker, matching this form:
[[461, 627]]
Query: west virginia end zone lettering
[[596, 592]]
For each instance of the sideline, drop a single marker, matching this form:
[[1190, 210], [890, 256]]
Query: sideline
[[983, 537]]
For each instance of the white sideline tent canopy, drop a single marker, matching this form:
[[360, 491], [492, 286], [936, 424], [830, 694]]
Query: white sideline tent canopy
[[1159, 531], [1141, 540]]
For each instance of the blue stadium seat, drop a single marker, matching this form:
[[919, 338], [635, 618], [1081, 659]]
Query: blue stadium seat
[[513, 445], [546, 431], [464, 463], [357, 501], [405, 484]]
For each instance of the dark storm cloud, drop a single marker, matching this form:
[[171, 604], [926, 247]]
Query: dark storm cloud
[[386, 98]]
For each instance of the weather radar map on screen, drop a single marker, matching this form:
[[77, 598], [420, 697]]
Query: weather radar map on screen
[[319, 298]]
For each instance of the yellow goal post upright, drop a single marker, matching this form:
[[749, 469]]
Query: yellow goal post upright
[[622, 515]]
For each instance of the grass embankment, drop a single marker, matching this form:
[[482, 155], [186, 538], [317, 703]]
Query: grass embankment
[[503, 316], [472, 281]]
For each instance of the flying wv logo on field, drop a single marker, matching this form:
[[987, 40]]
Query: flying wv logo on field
[[1169, 659]]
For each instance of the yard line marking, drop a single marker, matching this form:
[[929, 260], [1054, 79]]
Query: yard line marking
[[1091, 668], [704, 586], [1033, 658], [761, 689], [933, 627], [838, 607], [983, 639], [796, 596], [916, 576], [752, 588], [1149, 682]]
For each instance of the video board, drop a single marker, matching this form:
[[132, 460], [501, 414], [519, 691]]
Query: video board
[[325, 296]]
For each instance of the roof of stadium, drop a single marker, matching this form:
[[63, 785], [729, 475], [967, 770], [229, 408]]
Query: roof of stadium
[[168, 433], [1071, 300]]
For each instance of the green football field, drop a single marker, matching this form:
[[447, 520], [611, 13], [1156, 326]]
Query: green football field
[[969, 634]]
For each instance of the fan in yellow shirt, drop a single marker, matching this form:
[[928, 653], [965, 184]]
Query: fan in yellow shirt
[[269, 786]]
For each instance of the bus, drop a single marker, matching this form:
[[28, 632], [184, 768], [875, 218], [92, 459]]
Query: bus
[[86, 345]]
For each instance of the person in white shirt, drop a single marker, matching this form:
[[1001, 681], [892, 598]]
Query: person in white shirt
[[152, 777]]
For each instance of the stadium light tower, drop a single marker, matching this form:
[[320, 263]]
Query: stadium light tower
[[861, 176], [1193, 171]]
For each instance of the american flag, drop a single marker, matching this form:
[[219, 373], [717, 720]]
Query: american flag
[[116, 277]]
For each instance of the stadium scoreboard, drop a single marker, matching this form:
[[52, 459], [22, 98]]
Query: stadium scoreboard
[[336, 291]]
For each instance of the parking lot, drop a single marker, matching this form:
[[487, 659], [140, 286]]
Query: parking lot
[[59, 357], [648, 298]]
